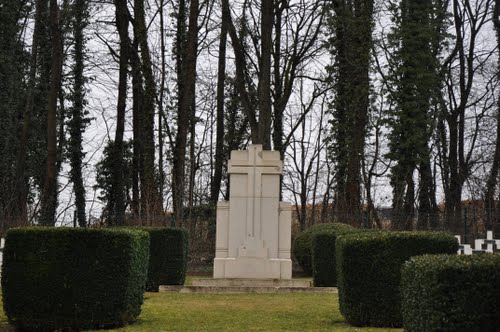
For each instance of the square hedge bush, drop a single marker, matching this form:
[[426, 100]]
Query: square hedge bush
[[73, 278], [369, 272], [451, 293], [324, 262], [167, 258], [302, 244]]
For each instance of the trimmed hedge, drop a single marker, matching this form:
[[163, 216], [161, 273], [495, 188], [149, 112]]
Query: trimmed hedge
[[451, 293], [73, 278], [369, 272], [302, 245], [167, 258], [324, 266]]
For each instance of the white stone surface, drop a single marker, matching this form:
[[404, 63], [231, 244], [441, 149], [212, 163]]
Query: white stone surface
[[211, 282], [254, 228], [463, 249], [490, 243]]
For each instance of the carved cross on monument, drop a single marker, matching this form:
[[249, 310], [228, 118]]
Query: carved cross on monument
[[254, 227], [254, 167]]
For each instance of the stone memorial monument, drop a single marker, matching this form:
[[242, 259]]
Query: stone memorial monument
[[253, 227]]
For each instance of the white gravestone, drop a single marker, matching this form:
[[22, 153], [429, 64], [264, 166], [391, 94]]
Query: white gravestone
[[489, 241], [254, 227]]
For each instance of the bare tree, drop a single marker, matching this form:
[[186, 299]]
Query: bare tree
[[186, 74], [221, 80], [462, 71], [492, 182]]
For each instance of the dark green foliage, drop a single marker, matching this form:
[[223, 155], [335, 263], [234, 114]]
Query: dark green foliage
[[56, 278], [324, 262], [350, 25], [417, 38], [104, 177], [369, 272], [451, 293], [167, 258], [302, 245], [13, 62], [37, 137], [78, 119]]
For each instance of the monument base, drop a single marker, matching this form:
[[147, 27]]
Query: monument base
[[210, 282], [253, 268]]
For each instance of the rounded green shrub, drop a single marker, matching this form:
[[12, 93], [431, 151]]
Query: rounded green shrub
[[451, 293], [302, 245], [369, 272], [73, 278], [168, 255]]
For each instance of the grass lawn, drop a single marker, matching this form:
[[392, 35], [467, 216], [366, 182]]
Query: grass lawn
[[237, 312]]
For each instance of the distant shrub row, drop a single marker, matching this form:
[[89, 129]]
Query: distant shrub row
[[368, 267], [324, 261], [415, 279], [303, 243], [71, 278]]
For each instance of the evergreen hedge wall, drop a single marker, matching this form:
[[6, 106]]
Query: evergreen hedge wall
[[451, 293], [302, 245], [324, 261], [73, 278], [369, 272]]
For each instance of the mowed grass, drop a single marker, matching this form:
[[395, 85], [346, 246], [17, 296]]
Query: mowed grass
[[241, 312], [237, 312]]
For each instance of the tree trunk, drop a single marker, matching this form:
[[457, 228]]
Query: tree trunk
[[219, 140], [77, 123], [117, 213], [138, 132], [150, 199], [278, 85], [20, 215], [161, 111], [186, 81], [49, 194], [353, 26], [403, 201], [427, 207], [264, 137], [492, 218]]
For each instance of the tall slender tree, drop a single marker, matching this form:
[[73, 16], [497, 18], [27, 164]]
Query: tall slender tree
[[221, 80], [492, 182], [78, 121], [352, 28], [186, 55], [13, 62], [151, 203], [463, 71], [415, 82], [49, 193], [137, 127], [161, 96], [264, 88], [117, 203]]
